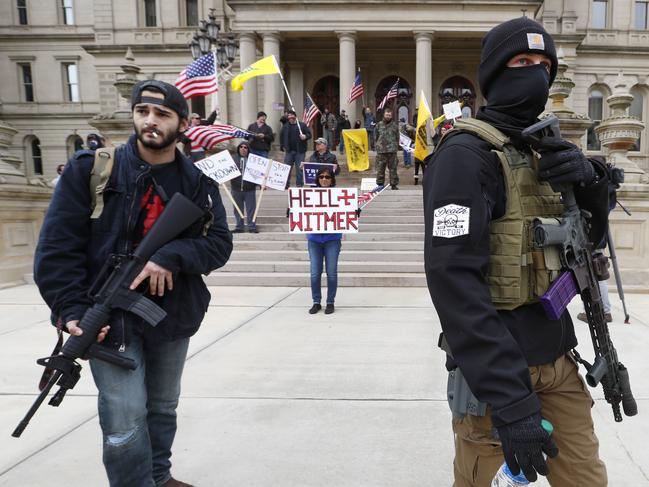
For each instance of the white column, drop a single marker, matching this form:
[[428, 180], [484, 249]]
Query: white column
[[247, 56], [296, 86], [424, 62], [347, 70], [273, 90]]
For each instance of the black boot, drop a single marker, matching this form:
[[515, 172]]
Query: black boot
[[329, 309], [315, 308]]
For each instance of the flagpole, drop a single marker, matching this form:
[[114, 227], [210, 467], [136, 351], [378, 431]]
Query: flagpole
[[290, 102], [215, 95]]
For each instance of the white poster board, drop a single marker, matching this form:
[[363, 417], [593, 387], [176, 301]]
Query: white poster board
[[323, 210], [368, 184], [452, 110], [256, 169], [406, 143], [278, 176], [220, 167]]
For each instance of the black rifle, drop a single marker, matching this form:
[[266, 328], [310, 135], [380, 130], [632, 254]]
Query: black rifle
[[584, 270], [111, 290]]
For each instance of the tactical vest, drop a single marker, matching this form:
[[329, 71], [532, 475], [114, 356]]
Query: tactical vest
[[518, 273]]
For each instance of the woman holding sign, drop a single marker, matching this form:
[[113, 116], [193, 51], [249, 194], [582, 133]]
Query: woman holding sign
[[324, 246]]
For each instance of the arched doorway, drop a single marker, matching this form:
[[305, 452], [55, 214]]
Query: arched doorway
[[461, 89], [326, 93], [401, 105], [73, 143], [33, 157]]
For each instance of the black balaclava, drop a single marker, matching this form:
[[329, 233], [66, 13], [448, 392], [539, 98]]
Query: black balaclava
[[515, 96]]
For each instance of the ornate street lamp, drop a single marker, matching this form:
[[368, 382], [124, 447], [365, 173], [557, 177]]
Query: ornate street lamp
[[212, 26], [194, 47], [207, 39]]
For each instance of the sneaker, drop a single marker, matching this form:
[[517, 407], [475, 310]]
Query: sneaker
[[315, 308], [582, 317], [253, 230], [329, 309], [394, 186], [416, 180], [237, 230], [172, 482]]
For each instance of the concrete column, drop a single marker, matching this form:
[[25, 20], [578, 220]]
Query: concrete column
[[347, 47], [296, 86], [424, 60], [247, 56], [273, 90]]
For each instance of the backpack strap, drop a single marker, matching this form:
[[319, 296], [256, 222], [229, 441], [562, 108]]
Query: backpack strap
[[99, 176]]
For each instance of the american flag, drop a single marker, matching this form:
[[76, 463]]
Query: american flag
[[365, 198], [209, 135], [394, 91], [357, 89], [199, 78], [311, 110]]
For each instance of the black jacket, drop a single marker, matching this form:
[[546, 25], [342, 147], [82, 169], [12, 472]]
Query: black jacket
[[260, 144], [325, 158], [238, 183], [72, 248], [301, 144], [492, 348]]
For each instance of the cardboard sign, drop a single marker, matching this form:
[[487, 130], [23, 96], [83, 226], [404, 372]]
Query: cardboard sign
[[406, 143], [220, 167], [368, 184], [323, 210], [278, 175], [256, 169], [310, 172], [452, 110]]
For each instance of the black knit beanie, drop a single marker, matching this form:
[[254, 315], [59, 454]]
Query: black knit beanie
[[508, 39]]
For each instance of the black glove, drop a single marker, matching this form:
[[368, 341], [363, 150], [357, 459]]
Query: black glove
[[288, 212], [358, 212], [562, 162], [524, 443]]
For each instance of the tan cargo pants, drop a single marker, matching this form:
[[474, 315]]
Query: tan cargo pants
[[566, 403]]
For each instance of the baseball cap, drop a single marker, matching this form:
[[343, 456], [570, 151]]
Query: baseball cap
[[173, 98]]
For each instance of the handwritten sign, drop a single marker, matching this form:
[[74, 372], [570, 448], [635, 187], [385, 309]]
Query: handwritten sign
[[368, 184], [452, 110], [310, 172], [323, 210], [278, 176], [220, 167], [406, 143], [256, 169]]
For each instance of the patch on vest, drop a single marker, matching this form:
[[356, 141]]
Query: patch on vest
[[451, 221]]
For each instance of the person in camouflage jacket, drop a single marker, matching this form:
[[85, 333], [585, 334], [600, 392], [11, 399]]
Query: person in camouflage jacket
[[387, 145]]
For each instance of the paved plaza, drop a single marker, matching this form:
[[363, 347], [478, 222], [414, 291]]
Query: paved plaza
[[274, 397]]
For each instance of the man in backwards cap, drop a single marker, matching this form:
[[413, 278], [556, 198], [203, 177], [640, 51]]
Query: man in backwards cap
[[510, 365], [137, 409]]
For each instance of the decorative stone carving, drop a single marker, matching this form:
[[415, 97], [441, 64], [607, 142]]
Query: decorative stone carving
[[118, 126], [619, 132], [10, 171]]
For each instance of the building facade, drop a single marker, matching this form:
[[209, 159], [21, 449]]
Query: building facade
[[60, 58]]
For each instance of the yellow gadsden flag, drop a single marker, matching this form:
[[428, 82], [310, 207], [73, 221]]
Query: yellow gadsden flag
[[421, 141], [356, 146], [267, 65]]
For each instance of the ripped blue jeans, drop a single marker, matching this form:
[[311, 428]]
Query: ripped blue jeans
[[137, 411]]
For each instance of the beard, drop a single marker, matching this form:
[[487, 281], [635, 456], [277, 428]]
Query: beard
[[164, 139]]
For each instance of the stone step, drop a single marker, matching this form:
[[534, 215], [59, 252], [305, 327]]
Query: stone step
[[295, 279], [362, 236], [256, 267], [301, 245], [347, 254]]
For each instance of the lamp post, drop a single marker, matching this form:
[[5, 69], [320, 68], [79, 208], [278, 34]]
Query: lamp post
[[209, 38]]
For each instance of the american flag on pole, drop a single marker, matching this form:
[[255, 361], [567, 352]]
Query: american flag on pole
[[357, 88], [209, 135], [311, 110], [199, 78], [365, 198], [394, 91]]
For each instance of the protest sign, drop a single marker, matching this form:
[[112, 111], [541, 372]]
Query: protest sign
[[220, 167], [278, 176], [256, 169], [368, 184], [452, 110], [406, 143], [323, 210], [310, 172]]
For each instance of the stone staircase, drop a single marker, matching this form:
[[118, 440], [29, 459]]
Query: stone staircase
[[387, 251]]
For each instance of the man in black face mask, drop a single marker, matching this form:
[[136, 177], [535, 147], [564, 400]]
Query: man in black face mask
[[95, 141], [509, 365]]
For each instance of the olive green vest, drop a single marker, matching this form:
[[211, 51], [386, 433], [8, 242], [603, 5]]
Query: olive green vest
[[518, 273]]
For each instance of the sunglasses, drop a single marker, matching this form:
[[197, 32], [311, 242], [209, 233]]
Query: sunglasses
[[324, 177]]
